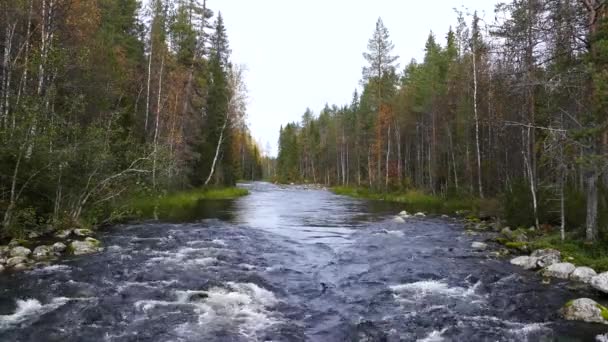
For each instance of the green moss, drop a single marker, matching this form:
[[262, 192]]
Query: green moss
[[516, 245], [604, 311], [569, 304], [502, 241]]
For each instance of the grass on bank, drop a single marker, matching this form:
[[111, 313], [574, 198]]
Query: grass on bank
[[414, 200], [575, 250], [147, 206]]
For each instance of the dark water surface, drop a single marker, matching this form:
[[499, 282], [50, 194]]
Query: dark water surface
[[286, 264]]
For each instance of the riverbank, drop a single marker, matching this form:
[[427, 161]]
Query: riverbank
[[42, 247], [487, 215]]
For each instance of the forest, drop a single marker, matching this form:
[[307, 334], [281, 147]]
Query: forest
[[102, 101], [511, 110]]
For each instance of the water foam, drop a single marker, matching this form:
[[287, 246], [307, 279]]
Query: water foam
[[434, 336], [31, 309], [425, 288], [242, 307]]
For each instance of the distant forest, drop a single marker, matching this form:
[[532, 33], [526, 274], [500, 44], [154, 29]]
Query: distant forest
[[105, 100], [515, 109]]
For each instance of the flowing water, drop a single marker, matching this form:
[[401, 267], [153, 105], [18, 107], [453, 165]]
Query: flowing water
[[287, 264]]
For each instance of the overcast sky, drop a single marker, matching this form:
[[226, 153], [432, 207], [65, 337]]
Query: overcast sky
[[307, 53]]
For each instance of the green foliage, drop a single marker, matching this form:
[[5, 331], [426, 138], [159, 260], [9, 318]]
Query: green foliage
[[575, 250]]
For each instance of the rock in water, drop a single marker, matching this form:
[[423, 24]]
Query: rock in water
[[88, 246], [546, 257], [20, 252], [42, 252], [419, 214], [480, 246], [583, 274], [12, 262], [561, 270], [59, 247], [586, 310], [398, 219], [600, 282], [528, 263], [404, 214]]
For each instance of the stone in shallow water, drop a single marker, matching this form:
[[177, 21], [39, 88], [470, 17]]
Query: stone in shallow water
[[88, 246], [600, 282], [12, 262], [480, 246], [583, 274], [560, 270], [586, 310], [398, 219], [528, 263], [83, 232]]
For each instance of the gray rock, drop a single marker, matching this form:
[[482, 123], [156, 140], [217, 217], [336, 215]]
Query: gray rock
[[4, 251], [506, 232], [600, 282], [583, 274], [42, 252], [398, 219], [584, 309], [420, 214], [20, 252], [521, 238], [480, 246], [528, 263], [546, 257], [561, 270], [33, 235], [14, 243], [15, 261], [59, 247], [63, 234], [1, 268], [83, 232], [2, 261], [88, 246], [20, 267], [404, 214]]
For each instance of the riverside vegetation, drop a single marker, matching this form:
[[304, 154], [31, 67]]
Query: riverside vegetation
[[507, 119], [109, 108]]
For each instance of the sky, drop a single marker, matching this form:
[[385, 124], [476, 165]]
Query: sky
[[301, 54]]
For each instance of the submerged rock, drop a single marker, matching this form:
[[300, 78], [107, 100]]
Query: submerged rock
[[528, 263], [561, 270], [88, 246], [404, 214], [43, 252], [20, 252], [583, 274], [59, 247], [480, 246], [586, 310], [420, 214], [600, 282]]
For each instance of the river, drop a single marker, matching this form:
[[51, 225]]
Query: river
[[287, 264]]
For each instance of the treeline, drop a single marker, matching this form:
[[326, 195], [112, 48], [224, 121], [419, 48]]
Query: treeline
[[516, 109], [102, 100]]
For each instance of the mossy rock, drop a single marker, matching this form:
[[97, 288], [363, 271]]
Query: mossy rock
[[604, 311], [520, 246]]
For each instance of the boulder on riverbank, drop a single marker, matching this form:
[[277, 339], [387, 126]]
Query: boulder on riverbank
[[59, 247], [526, 262], [546, 257], [43, 252], [88, 246], [561, 270], [583, 274], [586, 310], [14, 261], [600, 282], [20, 252]]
